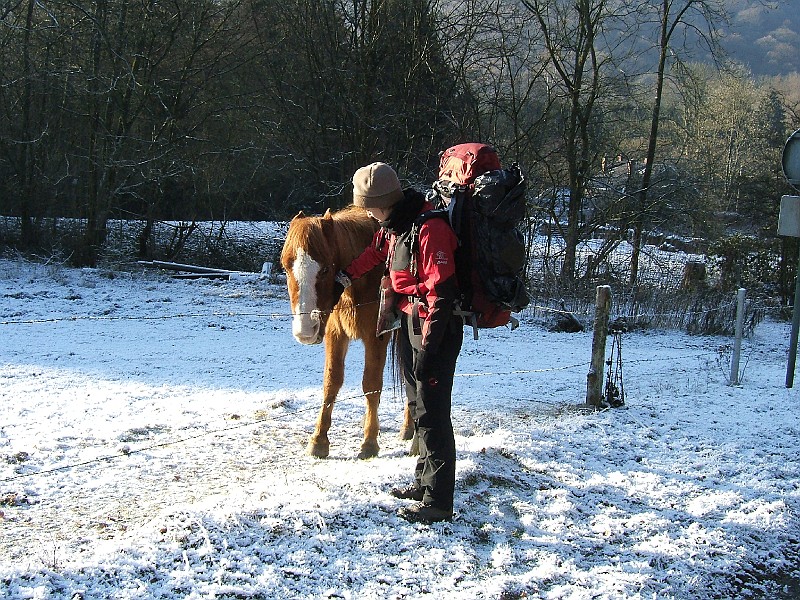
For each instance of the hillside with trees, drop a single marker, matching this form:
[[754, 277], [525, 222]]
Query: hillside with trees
[[222, 110], [765, 36]]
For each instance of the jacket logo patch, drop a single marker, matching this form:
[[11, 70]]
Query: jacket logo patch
[[442, 258]]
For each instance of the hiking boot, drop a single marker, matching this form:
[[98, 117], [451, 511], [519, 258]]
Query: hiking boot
[[425, 513], [411, 492]]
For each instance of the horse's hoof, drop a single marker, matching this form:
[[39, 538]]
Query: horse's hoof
[[368, 451], [406, 433], [318, 449]]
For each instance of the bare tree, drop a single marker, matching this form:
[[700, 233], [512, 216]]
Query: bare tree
[[27, 98], [350, 82], [578, 43], [499, 74], [680, 24], [109, 101]]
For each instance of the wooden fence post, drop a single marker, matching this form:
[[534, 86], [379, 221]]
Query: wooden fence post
[[594, 379]]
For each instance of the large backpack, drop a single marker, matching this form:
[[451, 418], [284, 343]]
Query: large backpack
[[484, 204]]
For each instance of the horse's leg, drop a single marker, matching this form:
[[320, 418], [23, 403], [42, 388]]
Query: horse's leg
[[333, 378], [372, 384], [407, 430]]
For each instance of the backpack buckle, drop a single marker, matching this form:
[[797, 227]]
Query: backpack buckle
[[448, 189], [469, 318]]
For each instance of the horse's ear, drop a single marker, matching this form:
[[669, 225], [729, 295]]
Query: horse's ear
[[327, 214]]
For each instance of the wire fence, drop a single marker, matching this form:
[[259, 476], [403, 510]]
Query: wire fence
[[69, 513], [533, 310], [231, 429], [680, 283], [659, 302], [689, 310], [660, 298]]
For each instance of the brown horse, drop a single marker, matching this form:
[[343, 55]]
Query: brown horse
[[316, 248]]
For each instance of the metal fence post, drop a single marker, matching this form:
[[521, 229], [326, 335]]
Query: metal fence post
[[737, 342]]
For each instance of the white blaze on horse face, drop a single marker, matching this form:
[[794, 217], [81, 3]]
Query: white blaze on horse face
[[306, 322]]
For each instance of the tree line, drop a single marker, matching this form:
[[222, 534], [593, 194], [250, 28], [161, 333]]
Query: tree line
[[626, 116]]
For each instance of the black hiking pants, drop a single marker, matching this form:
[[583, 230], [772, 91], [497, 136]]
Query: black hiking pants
[[430, 404]]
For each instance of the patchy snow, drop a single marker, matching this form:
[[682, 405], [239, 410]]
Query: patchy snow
[[152, 437]]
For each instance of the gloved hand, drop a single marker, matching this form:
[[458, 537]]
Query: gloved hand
[[343, 279], [341, 283], [423, 365]]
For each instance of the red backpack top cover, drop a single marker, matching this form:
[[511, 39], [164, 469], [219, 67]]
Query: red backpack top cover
[[462, 163]]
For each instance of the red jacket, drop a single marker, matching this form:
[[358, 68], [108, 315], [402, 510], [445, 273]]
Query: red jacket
[[434, 283]]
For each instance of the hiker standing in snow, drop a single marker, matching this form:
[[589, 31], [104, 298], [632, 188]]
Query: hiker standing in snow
[[421, 267]]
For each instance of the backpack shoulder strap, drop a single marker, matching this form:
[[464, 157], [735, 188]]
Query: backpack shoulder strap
[[447, 214], [436, 213]]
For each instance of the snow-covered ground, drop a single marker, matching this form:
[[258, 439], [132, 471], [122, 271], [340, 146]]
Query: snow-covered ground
[[152, 437]]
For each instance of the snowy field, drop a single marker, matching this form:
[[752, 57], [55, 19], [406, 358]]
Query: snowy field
[[152, 437]]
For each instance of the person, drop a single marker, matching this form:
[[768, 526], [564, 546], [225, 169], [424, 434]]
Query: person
[[423, 278]]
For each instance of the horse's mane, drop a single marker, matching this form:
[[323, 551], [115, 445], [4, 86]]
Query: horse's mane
[[353, 228], [354, 231]]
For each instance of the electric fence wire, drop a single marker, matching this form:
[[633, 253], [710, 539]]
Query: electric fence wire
[[278, 315], [260, 420], [313, 407]]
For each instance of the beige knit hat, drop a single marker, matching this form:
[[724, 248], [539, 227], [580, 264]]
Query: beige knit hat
[[376, 186]]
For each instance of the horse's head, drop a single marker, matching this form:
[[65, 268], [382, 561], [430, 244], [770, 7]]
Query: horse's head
[[309, 258]]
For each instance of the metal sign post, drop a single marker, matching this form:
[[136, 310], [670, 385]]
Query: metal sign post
[[793, 337], [789, 225]]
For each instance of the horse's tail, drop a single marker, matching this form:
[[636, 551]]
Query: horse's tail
[[399, 369]]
